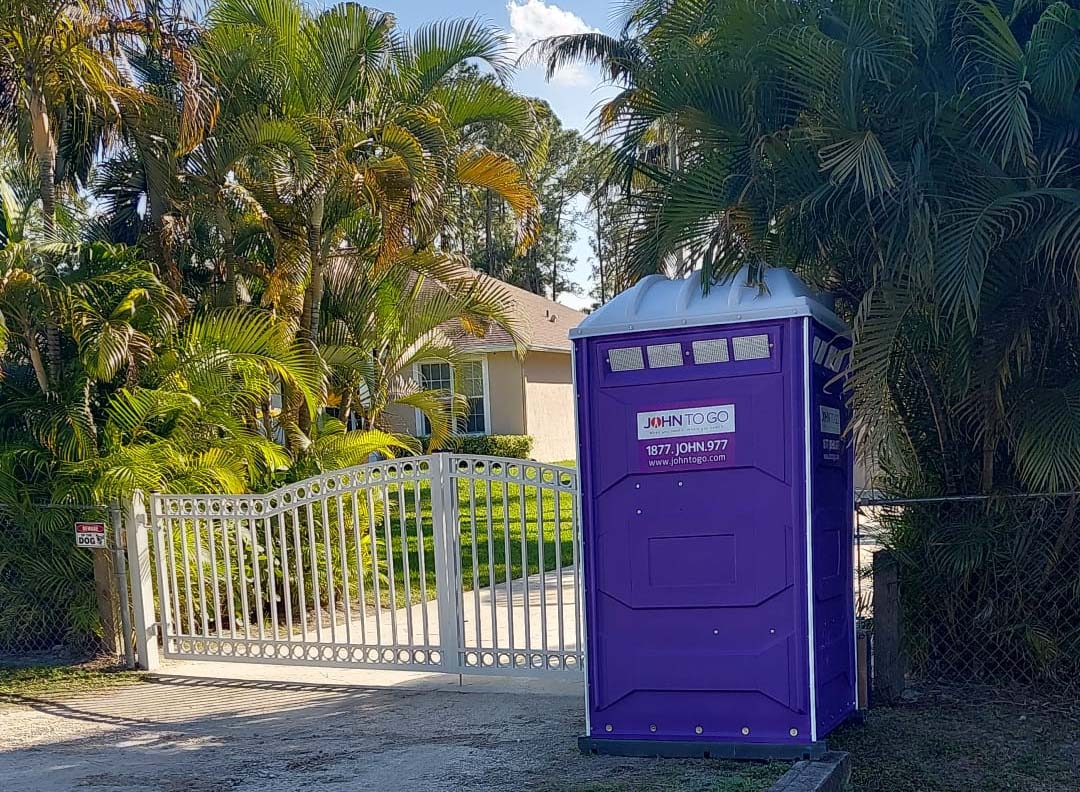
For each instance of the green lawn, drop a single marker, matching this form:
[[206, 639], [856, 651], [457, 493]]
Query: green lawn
[[537, 522], [30, 681], [486, 519]]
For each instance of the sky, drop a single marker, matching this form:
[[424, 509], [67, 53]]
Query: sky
[[573, 93]]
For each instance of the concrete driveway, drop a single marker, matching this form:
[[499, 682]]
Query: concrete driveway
[[322, 729]]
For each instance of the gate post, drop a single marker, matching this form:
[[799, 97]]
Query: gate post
[[888, 654], [447, 561], [142, 586]]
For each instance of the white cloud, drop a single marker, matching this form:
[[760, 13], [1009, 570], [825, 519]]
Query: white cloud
[[533, 20]]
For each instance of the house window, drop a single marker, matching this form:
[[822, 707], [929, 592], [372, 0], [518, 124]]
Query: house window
[[468, 378], [470, 384]]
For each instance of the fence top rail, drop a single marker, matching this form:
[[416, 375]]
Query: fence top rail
[[527, 471], [60, 506], [309, 490], [888, 501], [357, 478]]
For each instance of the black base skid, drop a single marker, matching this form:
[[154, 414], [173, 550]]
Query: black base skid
[[697, 749]]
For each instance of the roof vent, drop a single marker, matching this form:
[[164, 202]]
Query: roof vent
[[710, 350], [665, 355], [753, 347], [626, 359]]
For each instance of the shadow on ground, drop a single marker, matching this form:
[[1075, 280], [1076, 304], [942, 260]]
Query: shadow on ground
[[180, 734]]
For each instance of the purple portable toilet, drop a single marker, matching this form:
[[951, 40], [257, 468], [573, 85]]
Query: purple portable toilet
[[717, 520]]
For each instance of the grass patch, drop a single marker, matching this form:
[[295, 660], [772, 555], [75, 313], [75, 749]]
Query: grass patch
[[507, 531], [959, 740], [33, 681]]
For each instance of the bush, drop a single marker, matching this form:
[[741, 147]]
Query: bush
[[513, 446], [989, 589], [47, 598]]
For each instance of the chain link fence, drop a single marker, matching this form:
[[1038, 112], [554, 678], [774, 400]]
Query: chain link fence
[[989, 586], [59, 603]]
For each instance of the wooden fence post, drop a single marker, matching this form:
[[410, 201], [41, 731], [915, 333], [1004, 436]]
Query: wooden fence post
[[107, 598], [888, 657]]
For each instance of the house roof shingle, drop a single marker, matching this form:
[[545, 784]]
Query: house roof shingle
[[544, 324]]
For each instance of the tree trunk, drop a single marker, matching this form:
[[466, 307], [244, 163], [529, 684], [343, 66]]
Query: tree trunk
[[36, 361], [316, 283], [314, 293], [229, 295], [292, 405], [555, 254], [989, 451], [938, 413], [673, 166], [600, 250], [88, 413], [170, 269], [52, 347], [461, 218], [267, 419], [45, 153], [489, 253], [346, 407]]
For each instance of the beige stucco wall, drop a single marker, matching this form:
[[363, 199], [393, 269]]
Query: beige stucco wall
[[549, 406], [402, 419], [505, 389]]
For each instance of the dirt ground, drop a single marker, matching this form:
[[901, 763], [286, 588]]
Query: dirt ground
[[176, 733]]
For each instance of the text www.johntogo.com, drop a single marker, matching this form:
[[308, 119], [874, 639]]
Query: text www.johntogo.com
[[681, 461]]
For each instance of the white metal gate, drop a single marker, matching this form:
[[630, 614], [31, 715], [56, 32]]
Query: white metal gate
[[448, 562]]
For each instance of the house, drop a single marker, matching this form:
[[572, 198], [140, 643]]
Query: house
[[511, 396]]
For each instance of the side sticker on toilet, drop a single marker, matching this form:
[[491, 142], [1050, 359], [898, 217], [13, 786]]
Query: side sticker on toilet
[[685, 437]]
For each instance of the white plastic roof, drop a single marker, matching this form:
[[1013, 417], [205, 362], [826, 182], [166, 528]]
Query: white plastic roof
[[657, 303]]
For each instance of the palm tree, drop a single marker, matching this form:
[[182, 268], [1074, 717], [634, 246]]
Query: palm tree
[[141, 184], [370, 127], [192, 418], [920, 165], [377, 329], [378, 113], [52, 58], [268, 195], [919, 160]]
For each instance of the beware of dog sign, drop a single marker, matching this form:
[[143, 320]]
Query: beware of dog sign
[[90, 534]]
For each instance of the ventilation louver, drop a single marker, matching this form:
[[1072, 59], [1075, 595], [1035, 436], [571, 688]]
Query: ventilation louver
[[820, 350], [834, 361], [710, 350], [665, 355], [626, 359], [753, 347]]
